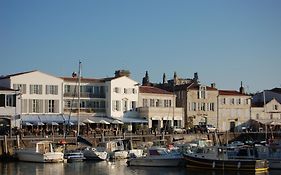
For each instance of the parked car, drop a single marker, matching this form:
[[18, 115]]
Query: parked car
[[178, 130], [211, 128]]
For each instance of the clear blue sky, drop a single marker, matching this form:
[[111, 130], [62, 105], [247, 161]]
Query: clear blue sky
[[224, 41]]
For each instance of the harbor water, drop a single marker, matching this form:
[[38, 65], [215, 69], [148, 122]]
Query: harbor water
[[107, 168]]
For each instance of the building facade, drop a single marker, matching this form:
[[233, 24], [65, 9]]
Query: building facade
[[233, 110], [199, 103], [40, 93], [159, 108]]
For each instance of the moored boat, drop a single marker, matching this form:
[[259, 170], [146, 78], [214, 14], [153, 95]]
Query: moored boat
[[217, 159], [158, 157], [42, 151]]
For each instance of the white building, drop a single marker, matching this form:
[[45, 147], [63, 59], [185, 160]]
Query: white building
[[41, 93], [9, 109]]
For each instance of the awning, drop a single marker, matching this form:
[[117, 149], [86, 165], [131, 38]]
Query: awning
[[48, 119], [30, 118], [133, 120]]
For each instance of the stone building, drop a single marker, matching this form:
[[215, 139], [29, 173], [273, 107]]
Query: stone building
[[233, 110], [158, 107]]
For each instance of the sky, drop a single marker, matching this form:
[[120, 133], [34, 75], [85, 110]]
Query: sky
[[225, 41]]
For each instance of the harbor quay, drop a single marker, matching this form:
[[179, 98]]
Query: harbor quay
[[9, 143]]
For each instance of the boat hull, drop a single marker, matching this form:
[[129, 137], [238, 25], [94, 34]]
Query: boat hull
[[155, 162], [95, 155], [229, 164], [29, 156]]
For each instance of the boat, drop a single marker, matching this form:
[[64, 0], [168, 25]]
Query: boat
[[42, 151], [91, 153], [270, 152], [74, 156], [217, 158], [158, 157]]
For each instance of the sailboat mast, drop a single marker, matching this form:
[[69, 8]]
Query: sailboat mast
[[78, 112], [264, 107]]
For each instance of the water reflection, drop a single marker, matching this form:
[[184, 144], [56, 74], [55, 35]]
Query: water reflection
[[107, 168]]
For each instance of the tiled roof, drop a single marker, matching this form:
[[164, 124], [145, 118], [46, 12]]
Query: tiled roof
[[11, 75], [153, 90], [231, 92]]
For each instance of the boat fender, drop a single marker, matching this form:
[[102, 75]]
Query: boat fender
[[214, 164]]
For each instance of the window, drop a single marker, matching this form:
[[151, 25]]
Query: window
[[202, 92], [224, 101], [51, 106], [117, 90], [125, 91], [212, 106], [257, 116], [67, 89], [144, 102], [275, 107], [36, 89], [116, 105], [271, 116], [2, 100], [193, 106], [157, 103], [52, 89], [232, 101], [166, 103], [133, 105], [125, 105], [35, 106], [11, 100], [152, 103], [203, 107], [239, 101], [134, 91], [21, 87]]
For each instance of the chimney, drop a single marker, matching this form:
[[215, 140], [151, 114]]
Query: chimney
[[213, 85], [120, 73]]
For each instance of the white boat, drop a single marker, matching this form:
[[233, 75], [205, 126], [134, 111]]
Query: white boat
[[74, 156], [42, 151], [91, 153], [158, 157]]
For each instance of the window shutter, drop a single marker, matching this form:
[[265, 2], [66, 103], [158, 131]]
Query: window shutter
[[24, 106], [46, 106], [31, 87], [47, 89], [40, 89], [41, 105], [57, 106], [30, 106]]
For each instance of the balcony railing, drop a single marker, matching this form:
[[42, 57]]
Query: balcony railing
[[84, 95]]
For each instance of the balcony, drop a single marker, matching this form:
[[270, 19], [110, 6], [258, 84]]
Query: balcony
[[84, 95]]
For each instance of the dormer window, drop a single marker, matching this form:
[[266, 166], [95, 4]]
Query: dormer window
[[202, 94]]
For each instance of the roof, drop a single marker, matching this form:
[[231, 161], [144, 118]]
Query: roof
[[276, 90], [193, 86], [16, 74], [88, 80], [152, 90], [231, 93], [6, 89]]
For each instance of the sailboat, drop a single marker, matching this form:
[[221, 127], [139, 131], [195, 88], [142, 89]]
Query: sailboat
[[76, 155]]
